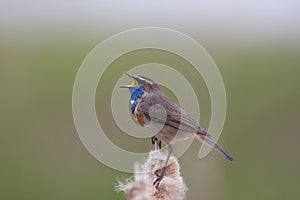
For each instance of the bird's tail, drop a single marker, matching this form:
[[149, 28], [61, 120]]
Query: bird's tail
[[207, 140]]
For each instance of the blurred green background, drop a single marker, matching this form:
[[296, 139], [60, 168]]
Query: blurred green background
[[255, 45]]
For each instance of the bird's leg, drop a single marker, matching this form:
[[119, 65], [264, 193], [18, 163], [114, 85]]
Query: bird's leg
[[156, 143], [153, 139], [163, 170]]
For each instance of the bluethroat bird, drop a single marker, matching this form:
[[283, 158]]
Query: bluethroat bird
[[168, 121]]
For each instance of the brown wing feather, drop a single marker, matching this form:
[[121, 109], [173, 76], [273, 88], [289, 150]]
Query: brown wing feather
[[176, 117]]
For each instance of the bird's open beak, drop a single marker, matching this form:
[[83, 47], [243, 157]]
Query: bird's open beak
[[134, 81]]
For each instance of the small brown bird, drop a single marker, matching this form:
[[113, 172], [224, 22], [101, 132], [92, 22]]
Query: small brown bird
[[157, 112]]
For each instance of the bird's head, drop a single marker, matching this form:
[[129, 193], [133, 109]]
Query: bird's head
[[147, 84]]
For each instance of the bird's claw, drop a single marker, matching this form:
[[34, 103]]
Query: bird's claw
[[159, 177], [157, 181]]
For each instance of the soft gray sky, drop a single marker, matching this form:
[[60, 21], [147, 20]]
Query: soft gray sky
[[263, 19]]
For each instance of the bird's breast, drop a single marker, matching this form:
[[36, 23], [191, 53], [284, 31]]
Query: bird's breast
[[140, 117], [135, 98], [133, 105]]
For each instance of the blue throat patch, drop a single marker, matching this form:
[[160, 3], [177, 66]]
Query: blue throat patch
[[136, 94]]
